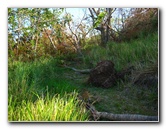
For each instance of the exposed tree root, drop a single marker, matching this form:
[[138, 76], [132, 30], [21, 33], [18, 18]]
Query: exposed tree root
[[104, 74]]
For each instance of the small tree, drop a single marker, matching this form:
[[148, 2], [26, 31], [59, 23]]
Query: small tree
[[101, 18], [78, 31], [26, 25]]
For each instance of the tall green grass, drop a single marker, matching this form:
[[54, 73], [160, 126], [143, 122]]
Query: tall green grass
[[38, 91], [124, 97], [144, 49], [57, 108]]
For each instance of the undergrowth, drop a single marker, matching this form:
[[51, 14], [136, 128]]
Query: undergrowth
[[44, 90], [144, 50], [37, 91]]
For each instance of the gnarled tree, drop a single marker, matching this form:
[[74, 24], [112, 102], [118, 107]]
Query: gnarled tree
[[101, 18]]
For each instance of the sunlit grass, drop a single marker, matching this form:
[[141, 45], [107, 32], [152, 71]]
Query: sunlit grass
[[37, 91], [47, 108]]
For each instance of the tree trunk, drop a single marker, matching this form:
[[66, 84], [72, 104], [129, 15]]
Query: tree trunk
[[37, 37], [104, 26], [103, 36], [78, 48], [108, 24]]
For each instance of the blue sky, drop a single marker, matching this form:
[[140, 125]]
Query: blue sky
[[76, 12]]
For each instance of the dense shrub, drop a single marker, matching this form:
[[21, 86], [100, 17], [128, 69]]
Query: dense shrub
[[142, 22]]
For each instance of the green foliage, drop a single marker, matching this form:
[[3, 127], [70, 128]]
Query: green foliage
[[99, 19], [25, 27]]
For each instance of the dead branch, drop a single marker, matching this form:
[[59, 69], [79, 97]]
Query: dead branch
[[83, 71]]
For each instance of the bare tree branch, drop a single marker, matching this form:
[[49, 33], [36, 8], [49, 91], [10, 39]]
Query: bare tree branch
[[94, 11], [113, 11], [50, 39], [92, 16]]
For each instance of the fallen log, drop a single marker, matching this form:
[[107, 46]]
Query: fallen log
[[126, 117], [118, 117]]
